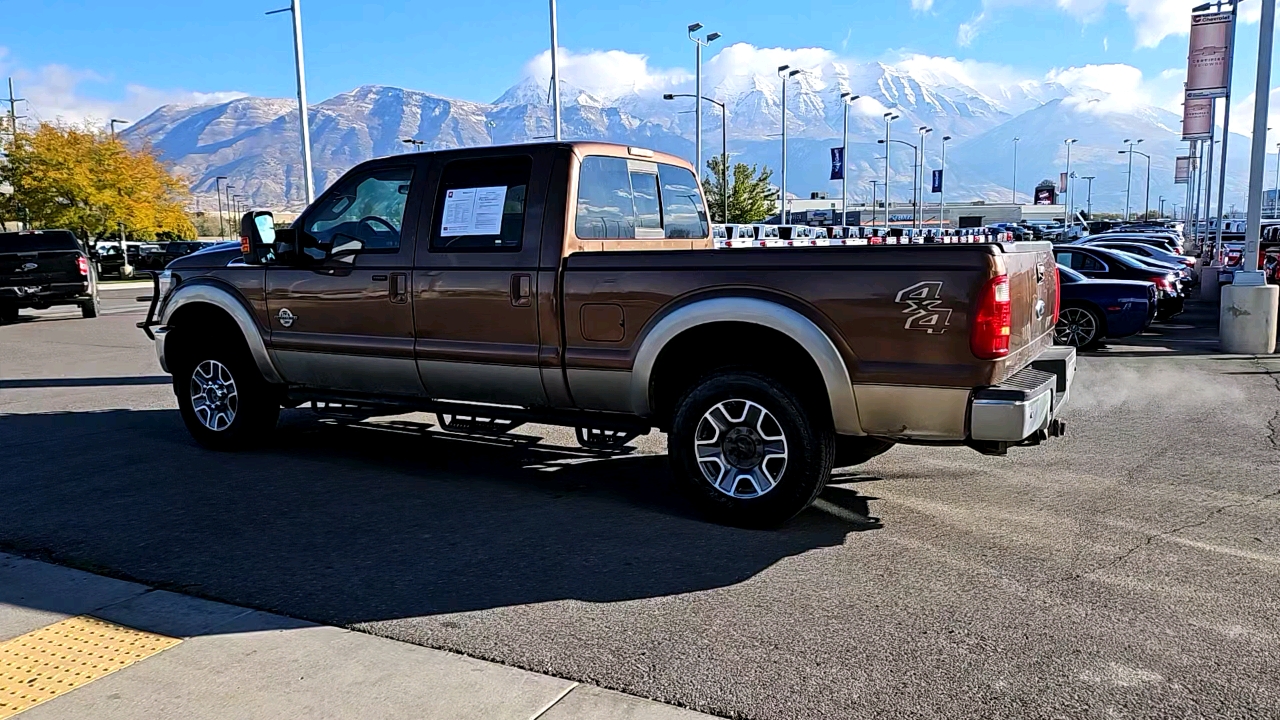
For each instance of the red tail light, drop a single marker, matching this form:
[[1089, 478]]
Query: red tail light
[[992, 320], [83, 263], [1057, 294], [1161, 282]]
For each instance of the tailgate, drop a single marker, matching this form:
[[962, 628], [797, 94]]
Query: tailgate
[[1033, 291], [39, 268]]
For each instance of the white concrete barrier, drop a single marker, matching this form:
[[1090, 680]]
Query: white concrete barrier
[[1247, 319], [1210, 289]]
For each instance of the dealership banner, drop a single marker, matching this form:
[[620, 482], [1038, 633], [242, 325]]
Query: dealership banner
[[1197, 119], [1182, 170], [837, 163], [1062, 182], [1209, 55], [937, 181]]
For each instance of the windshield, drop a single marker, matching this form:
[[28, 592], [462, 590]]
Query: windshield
[[1130, 261], [24, 242]]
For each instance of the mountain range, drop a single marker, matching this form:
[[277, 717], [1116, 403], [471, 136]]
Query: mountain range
[[254, 141]]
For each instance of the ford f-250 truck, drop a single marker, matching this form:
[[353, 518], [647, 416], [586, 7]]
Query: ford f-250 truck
[[576, 284]]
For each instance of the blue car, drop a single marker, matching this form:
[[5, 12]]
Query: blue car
[[1093, 310]]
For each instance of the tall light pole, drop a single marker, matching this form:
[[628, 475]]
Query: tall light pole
[[1015, 170], [113, 123], [915, 151], [1226, 110], [1128, 184], [1275, 200], [555, 74], [1066, 216], [784, 72], [847, 99], [919, 212], [1089, 196], [724, 146], [232, 230], [942, 185], [699, 43], [888, 118], [1147, 204], [874, 185], [1161, 207], [304, 125], [222, 230]]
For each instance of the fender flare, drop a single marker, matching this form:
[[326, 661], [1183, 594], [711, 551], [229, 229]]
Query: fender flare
[[772, 315], [223, 299]]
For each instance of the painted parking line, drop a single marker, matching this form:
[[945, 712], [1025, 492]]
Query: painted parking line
[[61, 657]]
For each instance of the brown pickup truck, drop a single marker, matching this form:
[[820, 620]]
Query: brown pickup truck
[[575, 284]]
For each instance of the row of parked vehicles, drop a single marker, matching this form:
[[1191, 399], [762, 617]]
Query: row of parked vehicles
[[762, 235]]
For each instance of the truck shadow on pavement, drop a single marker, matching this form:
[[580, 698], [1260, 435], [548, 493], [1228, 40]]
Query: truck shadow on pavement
[[351, 524]]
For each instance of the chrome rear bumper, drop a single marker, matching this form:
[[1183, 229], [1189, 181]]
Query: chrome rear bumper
[[1023, 407]]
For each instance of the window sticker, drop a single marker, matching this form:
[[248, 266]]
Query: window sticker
[[473, 211]]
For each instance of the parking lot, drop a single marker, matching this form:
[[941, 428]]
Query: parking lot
[[1131, 569]]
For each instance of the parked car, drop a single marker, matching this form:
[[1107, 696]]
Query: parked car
[[577, 298], [1101, 263], [43, 268], [1165, 241], [1093, 310], [1148, 251]]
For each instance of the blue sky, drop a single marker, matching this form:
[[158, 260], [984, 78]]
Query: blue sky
[[94, 58]]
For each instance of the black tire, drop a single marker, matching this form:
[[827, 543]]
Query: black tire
[[854, 450], [1080, 327], [8, 313], [255, 411], [90, 306], [807, 441]]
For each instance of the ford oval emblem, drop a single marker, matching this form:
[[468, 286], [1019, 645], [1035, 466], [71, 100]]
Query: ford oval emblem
[[1039, 309], [28, 267], [286, 317]]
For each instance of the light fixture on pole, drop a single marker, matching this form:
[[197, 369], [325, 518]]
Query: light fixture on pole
[[846, 99], [1128, 184], [417, 144], [915, 151], [1015, 170], [942, 185], [918, 220], [113, 126], [784, 72], [304, 124], [724, 146], [699, 43], [889, 117]]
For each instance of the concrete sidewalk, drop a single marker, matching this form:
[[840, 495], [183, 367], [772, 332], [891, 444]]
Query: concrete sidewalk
[[215, 661]]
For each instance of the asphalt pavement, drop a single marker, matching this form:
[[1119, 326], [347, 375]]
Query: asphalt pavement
[[1130, 569]]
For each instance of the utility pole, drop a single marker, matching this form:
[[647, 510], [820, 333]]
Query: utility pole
[[14, 117]]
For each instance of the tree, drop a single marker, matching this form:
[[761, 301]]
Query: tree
[[85, 180], [751, 196]]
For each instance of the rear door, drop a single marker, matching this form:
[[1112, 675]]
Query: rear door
[[475, 279]]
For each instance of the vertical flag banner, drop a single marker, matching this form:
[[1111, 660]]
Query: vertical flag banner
[[1182, 170], [837, 163], [1197, 119], [1062, 182], [1209, 55], [937, 181]]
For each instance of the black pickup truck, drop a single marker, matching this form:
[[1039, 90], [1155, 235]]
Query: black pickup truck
[[42, 268]]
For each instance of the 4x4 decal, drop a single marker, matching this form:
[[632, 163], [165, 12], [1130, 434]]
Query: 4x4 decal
[[923, 301]]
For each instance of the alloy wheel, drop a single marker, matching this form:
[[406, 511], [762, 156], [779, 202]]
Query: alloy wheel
[[213, 395], [1076, 327], [741, 448]]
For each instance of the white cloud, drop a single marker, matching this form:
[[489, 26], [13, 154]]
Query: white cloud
[[1242, 117], [56, 93], [606, 73], [922, 5], [1153, 20], [969, 29]]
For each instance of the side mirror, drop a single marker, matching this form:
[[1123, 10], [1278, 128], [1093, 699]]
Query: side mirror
[[258, 237]]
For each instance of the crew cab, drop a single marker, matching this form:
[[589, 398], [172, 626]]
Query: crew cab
[[43, 268], [577, 284]]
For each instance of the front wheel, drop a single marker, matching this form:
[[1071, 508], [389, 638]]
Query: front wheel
[[223, 399], [748, 451], [1078, 327]]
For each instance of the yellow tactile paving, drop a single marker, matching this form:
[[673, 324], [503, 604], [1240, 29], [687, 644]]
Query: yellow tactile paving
[[58, 658]]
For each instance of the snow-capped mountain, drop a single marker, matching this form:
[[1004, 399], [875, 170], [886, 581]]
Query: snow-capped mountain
[[253, 142]]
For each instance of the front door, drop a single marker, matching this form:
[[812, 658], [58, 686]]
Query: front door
[[341, 316], [475, 279]]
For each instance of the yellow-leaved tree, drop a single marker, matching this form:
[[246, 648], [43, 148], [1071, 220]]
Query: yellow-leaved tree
[[84, 180]]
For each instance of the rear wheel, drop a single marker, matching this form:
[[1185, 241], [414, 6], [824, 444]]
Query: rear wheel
[[748, 451], [223, 399], [1078, 327], [90, 306]]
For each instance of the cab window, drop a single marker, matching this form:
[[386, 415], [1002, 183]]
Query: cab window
[[480, 205], [620, 198], [367, 208], [682, 213]]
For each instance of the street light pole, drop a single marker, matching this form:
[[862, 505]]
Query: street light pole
[[724, 145], [1015, 170], [942, 185], [847, 100], [1089, 196], [1226, 112], [785, 75], [888, 118], [222, 228], [698, 43], [1161, 207], [113, 126], [1275, 200], [304, 124], [1066, 216], [1128, 184], [919, 219], [874, 185]]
